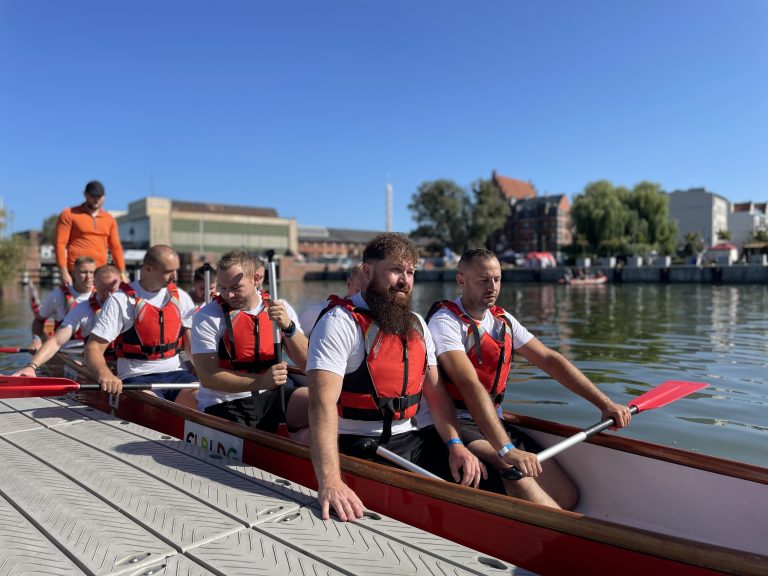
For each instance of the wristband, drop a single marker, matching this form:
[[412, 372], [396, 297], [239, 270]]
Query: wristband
[[33, 365], [290, 331], [454, 441], [504, 449]]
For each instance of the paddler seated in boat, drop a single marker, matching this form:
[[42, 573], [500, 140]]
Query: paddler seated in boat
[[149, 320], [475, 341], [62, 299], [198, 285], [354, 283], [241, 376], [79, 321], [370, 360]]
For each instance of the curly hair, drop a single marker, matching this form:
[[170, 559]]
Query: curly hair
[[391, 245]]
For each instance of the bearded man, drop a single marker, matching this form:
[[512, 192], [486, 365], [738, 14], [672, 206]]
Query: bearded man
[[370, 360]]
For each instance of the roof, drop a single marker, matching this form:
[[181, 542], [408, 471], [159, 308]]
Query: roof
[[184, 206], [512, 188], [339, 235], [723, 247]]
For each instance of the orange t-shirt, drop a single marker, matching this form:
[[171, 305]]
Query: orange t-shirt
[[78, 233]]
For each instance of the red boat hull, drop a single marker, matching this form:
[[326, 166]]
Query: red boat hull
[[525, 534]]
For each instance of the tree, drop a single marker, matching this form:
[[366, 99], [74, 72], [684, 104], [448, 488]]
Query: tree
[[761, 236], [441, 211], [12, 252], [615, 220], [694, 245], [723, 235], [490, 211], [48, 235], [445, 214]]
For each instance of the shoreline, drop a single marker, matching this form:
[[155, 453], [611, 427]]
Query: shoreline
[[686, 274]]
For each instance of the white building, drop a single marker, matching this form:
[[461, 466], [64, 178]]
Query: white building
[[746, 218], [699, 212]]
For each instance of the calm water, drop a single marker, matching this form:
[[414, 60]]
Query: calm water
[[626, 338]]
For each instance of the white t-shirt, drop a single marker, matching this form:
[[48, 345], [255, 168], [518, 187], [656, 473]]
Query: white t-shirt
[[450, 334], [208, 328], [337, 345], [117, 317], [55, 304], [81, 317]]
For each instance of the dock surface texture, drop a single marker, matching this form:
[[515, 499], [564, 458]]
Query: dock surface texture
[[82, 492]]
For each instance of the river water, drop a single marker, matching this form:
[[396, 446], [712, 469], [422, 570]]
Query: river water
[[625, 338]]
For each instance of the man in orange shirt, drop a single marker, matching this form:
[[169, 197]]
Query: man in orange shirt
[[87, 230]]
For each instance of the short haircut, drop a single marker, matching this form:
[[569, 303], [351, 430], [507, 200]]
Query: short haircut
[[248, 263], [391, 245], [476, 254], [354, 270], [94, 188], [80, 260], [200, 272], [155, 254], [106, 269]]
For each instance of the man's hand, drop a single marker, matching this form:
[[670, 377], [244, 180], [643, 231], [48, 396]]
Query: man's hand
[[110, 383], [342, 498], [465, 466], [66, 277], [619, 413], [37, 343], [274, 377], [27, 371], [524, 461], [278, 313]]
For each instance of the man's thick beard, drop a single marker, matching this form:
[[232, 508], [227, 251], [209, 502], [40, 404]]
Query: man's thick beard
[[392, 313]]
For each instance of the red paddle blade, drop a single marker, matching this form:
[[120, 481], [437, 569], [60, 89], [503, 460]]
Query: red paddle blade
[[24, 387], [665, 393]]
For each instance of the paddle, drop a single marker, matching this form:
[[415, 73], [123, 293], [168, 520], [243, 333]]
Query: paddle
[[26, 387], [275, 327], [17, 350], [663, 394], [365, 447]]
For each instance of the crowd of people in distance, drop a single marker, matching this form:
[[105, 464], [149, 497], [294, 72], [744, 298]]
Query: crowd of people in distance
[[377, 373]]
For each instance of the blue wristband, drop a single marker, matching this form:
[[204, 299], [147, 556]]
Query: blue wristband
[[506, 448], [454, 441]]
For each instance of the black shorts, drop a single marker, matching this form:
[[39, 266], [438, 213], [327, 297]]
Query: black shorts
[[423, 447], [263, 411], [470, 432]]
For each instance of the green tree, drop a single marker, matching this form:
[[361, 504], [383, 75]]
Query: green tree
[[490, 211], [48, 236], [723, 235], [693, 244], [12, 251], [761, 236], [441, 210], [616, 220]]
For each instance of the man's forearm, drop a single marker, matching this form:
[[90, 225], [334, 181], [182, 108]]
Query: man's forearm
[[296, 347]]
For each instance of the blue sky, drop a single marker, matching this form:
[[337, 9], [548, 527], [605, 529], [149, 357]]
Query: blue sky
[[310, 107]]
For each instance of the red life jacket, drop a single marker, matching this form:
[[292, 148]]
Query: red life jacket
[[388, 385], [156, 332], [490, 357], [247, 344], [69, 303], [93, 302]]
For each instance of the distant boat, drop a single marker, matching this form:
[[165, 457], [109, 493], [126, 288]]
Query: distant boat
[[602, 279]]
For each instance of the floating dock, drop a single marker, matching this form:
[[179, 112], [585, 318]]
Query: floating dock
[[84, 493]]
